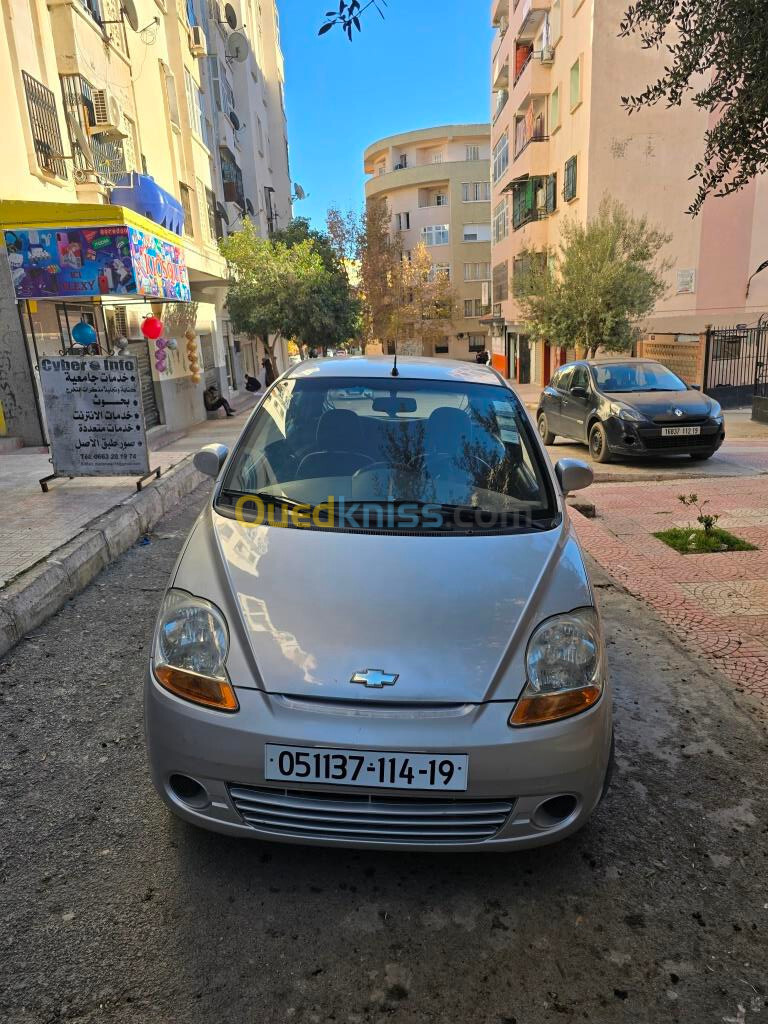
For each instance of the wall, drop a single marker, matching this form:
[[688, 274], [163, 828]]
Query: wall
[[17, 395]]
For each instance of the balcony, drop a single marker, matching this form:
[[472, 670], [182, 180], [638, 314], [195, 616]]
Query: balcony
[[499, 11], [501, 101], [500, 76], [533, 79], [531, 15]]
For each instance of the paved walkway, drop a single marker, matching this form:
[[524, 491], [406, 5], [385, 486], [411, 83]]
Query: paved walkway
[[717, 604], [35, 524]]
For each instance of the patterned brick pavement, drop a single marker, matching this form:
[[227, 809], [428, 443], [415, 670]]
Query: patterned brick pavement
[[717, 604]]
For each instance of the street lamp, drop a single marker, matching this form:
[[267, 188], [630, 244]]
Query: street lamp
[[762, 266]]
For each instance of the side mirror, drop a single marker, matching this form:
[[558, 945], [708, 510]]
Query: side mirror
[[694, 387], [578, 392], [210, 459], [573, 475]]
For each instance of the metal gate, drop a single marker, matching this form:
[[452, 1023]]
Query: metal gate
[[735, 363], [210, 373], [140, 351]]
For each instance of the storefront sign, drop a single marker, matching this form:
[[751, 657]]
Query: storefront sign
[[94, 415], [79, 262], [160, 267]]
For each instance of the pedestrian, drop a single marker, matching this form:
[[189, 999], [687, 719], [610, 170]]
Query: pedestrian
[[313, 353], [269, 371], [483, 356], [252, 383], [214, 401]]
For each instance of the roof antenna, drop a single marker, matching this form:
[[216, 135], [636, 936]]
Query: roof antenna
[[395, 371]]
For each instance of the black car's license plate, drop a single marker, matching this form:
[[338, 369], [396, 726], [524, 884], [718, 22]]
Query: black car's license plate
[[371, 768]]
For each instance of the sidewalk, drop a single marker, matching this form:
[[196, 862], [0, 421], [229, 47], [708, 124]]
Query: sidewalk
[[716, 604]]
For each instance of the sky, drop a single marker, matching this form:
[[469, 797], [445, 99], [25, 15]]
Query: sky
[[426, 64]]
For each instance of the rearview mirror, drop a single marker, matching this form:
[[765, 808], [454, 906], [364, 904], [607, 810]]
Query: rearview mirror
[[573, 475], [210, 459], [392, 406]]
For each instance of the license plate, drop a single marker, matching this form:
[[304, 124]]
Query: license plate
[[383, 769], [680, 431]]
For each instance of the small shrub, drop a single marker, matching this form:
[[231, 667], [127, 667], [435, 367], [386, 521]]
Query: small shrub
[[690, 540]]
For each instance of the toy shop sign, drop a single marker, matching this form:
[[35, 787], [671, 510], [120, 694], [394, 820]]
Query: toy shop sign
[[51, 263]]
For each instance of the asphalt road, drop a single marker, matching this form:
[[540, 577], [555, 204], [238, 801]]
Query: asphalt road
[[112, 911]]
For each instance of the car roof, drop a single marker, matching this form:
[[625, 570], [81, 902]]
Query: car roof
[[409, 368], [629, 360]]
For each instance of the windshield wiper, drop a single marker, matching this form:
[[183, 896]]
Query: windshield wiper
[[266, 498]]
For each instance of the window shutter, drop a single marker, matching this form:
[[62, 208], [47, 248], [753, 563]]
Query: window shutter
[[551, 193]]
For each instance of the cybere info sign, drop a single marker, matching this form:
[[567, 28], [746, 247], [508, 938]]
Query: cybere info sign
[[94, 415]]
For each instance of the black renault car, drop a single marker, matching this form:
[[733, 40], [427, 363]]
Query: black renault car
[[629, 407]]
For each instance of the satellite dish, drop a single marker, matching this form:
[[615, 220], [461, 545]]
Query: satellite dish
[[222, 213], [237, 47], [128, 8], [235, 120], [299, 191], [81, 139], [230, 17], [249, 206]]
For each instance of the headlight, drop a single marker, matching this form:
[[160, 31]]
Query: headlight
[[191, 647], [624, 412], [715, 411], [564, 662]]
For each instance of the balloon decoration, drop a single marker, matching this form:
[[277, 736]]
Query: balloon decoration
[[161, 356], [192, 357], [84, 334], [121, 344], [171, 344], [151, 327]]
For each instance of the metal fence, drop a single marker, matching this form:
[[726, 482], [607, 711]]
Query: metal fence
[[736, 364], [41, 104], [108, 154]]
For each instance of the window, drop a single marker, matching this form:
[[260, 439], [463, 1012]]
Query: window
[[441, 347], [232, 178], [402, 221], [129, 144], [500, 157], [44, 122], [500, 222], [194, 105], [576, 84], [109, 154], [441, 199], [214, 224], [170, 94], [186, 203], [554, 110], [472, 153], [580, 378], [477, 342], [569, 185], [501, 282], [223, 96], [551, 201], [477, 232], [477, 271], [474, 308], [440, 270], [436, 234], [476, 192], [555, 20], [260, 134], [205, 223], [437, 158]]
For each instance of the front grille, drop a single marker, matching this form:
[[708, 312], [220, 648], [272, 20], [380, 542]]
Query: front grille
[[369, 818], [678, 441]]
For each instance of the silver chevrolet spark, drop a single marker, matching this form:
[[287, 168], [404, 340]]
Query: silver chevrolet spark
[[380, 632]]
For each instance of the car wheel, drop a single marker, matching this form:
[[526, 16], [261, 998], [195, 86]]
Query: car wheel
[[598, 444], [545, 433], [701, 456]]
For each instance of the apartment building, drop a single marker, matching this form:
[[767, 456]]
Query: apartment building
[[561, 141], [437, 188], [154, 120]]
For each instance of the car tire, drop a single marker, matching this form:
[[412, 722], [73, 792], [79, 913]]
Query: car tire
[[701, 456], [598, 443], [542, 425]]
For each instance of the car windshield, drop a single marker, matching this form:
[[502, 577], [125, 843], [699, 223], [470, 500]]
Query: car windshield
[[406, 453], [618, 377]]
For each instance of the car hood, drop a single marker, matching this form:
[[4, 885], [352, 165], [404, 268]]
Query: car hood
[[661, 405], [450, 616]]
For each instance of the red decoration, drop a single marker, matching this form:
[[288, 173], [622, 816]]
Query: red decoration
[[151, 327]]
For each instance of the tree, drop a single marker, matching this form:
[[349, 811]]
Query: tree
[[592, 290], [404, 296], [282, 286], [717, 54], [348, 16]]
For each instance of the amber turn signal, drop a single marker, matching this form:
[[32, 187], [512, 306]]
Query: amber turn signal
[[211, 692], [550, 707]]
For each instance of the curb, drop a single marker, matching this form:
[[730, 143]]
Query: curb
[[44, 588]]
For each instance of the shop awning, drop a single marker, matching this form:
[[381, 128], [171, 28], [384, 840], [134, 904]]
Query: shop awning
[[76, 250]]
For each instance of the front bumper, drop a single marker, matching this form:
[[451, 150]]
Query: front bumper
[[524, 767], [626, 437]]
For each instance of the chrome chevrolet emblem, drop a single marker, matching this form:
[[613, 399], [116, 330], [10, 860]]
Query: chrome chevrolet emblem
[[374, 678], [678, 412]]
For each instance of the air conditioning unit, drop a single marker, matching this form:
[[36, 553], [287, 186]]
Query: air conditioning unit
[[547, 54], [107, 115], [197, 41]]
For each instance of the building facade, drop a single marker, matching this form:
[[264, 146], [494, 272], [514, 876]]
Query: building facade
[[561, 141], [436, 186], [159, 117]]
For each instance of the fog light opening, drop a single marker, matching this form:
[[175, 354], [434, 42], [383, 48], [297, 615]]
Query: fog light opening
[[188, 791], [554, 811]]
